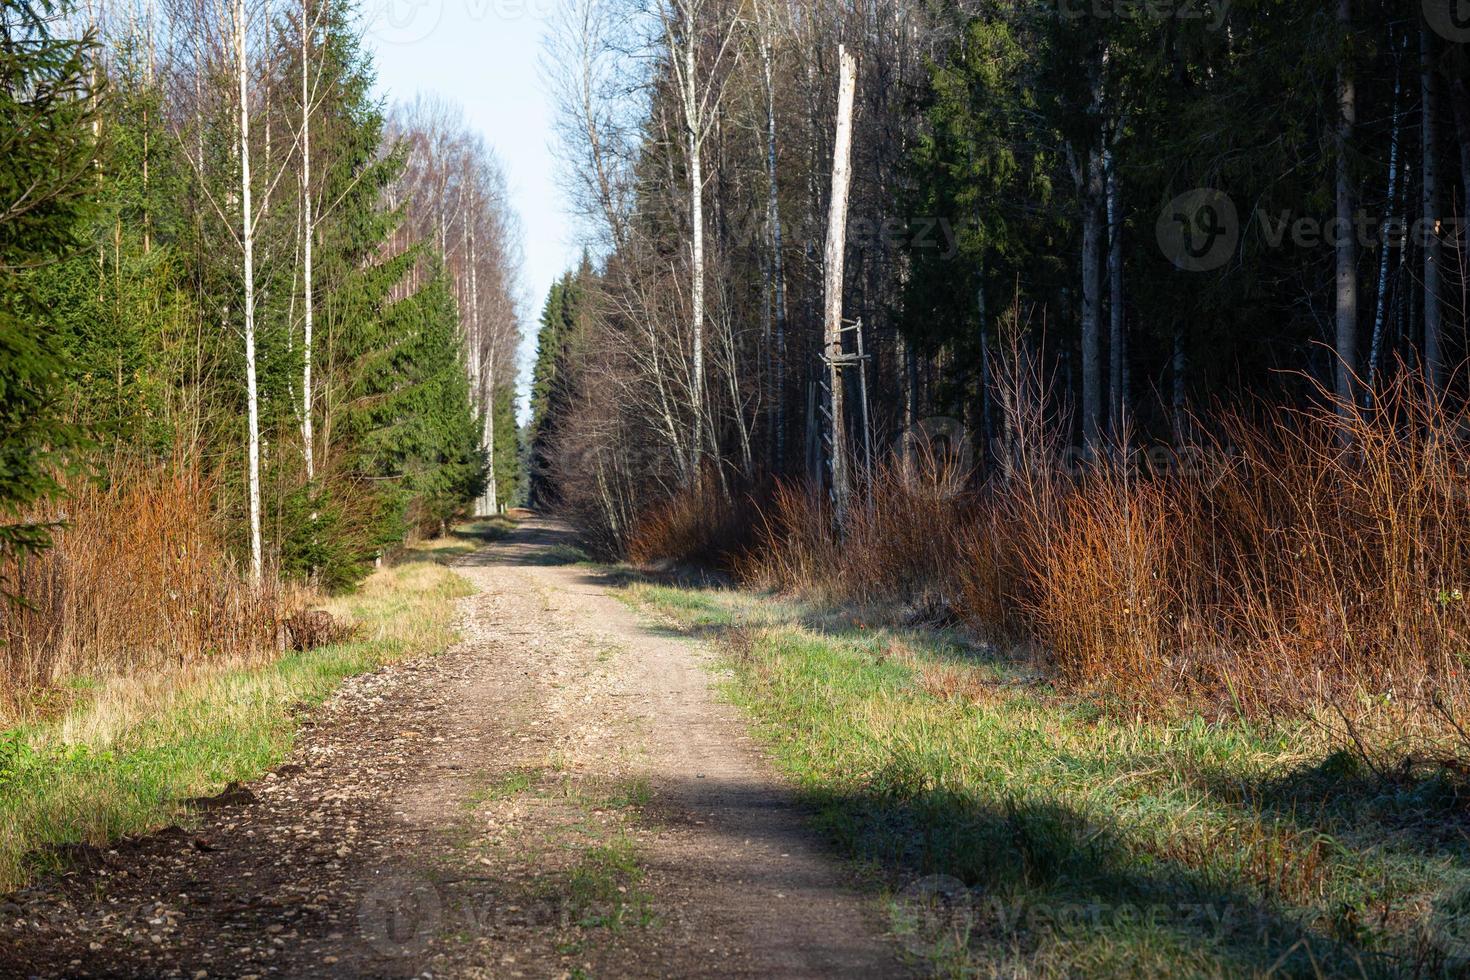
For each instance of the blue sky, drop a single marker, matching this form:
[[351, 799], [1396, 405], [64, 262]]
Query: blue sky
[[484, 54]]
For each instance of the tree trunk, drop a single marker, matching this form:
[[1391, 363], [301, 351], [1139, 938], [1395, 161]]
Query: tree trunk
[[1462, 139], [1433, 251], [1117, 343], [482, 356], [308, 233], [832, 275], [778, 273], [149, 55], [982, 309], [696, 221], [1178, 367], [1347, 242], [247, 231], [1092, 235], [492, 490], [905, 356], [1391, 212]]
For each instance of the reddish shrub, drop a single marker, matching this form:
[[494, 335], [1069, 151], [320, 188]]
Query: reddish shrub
[[138, 576]]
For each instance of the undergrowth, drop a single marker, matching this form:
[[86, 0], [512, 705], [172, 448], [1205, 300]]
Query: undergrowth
[[1305, 564], [124, 751], [1023, 830], [138, 577]]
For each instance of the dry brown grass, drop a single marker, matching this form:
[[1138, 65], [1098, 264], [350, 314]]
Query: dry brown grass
[[1101, 596], [119, 757], [1309, 562], [793, 542], [706, 525], [1312, 560], [139, 577], [901, 541]]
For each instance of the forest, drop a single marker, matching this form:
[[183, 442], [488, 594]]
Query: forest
[[1130, 333], [990, 497], [259, 327]]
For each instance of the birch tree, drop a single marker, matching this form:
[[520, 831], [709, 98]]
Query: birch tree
[[247, 245], [767, 34], [699, 93]]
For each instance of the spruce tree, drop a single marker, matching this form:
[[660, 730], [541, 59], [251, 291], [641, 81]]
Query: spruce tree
[[46, 187]]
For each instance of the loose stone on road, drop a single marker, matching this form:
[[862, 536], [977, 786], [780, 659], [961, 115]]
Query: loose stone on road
[[560, 794]]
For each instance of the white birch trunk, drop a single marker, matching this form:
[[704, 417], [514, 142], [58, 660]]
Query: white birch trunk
[[483, 369], [696, 221], [247, 232], [778, 273], [1117, 326], [309, 230], [1380, 310]]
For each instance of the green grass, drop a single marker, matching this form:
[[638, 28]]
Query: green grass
[[1018, 831], [462, 540], [603, 888], [565, 554], [120, 758], [586, 861], [510, 785]]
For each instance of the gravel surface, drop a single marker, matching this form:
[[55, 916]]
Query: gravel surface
[[560, 794]]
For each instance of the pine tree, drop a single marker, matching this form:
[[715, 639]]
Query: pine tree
[[121, 307], [46, 188], [506, 467], [550, 384]]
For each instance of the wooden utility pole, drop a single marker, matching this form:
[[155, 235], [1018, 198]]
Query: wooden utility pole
[[832, 274]]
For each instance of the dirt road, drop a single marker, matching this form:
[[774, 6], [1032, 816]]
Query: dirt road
[[561, 794]]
